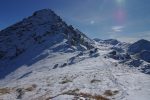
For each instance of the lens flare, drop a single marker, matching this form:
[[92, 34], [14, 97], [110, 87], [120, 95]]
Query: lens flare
[[120, 13], [120, 16]]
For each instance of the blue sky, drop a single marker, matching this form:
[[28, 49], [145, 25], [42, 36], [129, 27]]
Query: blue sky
[[126, 20]]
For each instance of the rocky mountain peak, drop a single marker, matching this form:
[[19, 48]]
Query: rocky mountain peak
[[44, 12], [43, 29], [46, 15]]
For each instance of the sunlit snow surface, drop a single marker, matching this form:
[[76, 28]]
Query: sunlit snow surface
[[84, 74]]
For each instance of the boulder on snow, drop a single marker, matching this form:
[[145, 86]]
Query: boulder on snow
[[113, 52], [119, 56], [94, 53], [146, 69], [135, 62], [55, 66], [63, 65]]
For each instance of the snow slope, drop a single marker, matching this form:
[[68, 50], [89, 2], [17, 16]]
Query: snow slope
[[91, 75], [23, 42], [65, 66]]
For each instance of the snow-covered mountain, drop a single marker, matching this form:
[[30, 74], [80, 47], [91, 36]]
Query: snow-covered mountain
[[113, 44], [139, 46], [108, 41], [28, 38], [44, 27], [43, 58], [134, 55]]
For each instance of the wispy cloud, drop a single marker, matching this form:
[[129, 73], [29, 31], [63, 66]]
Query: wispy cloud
[[117, 28]]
